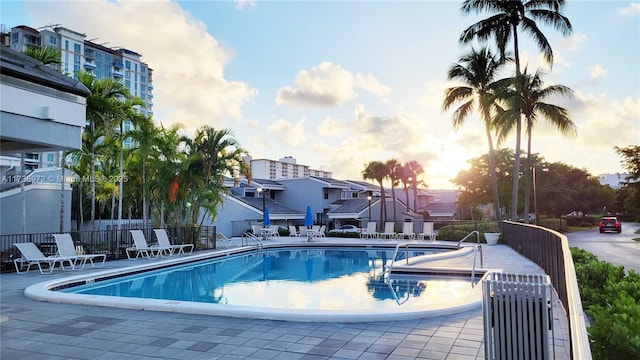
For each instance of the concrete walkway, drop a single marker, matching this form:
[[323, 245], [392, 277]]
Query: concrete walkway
[[40, 330]]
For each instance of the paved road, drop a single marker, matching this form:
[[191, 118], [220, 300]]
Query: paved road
[[618, 249]]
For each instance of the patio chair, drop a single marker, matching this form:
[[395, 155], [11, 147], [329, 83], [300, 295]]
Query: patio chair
[[163, 241], [322, 231], [303, 233], [31, 255], [407, 231], [370, 232], [66, 248], [292, 231], [427, 231], [224, 239], [389, 230], [141, 247]]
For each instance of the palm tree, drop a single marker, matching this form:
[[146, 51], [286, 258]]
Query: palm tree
[[166, 161], [146, 136], [393, 174], [405, 179], [509, 15], [48, 55], [210, 156], [102, 112], [526, 96], [376, 170], [416, 170], [477, 70]]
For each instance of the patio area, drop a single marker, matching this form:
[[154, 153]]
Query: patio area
[[40, 330]]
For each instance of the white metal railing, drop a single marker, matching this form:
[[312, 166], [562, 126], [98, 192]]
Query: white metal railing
[[469, 235]]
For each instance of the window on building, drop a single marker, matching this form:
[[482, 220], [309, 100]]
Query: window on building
[[53, 40], [66, 44], [143, 78], [127, 64], [143, 69], [326, 195], [15, 38], [135, 67], [49, 157], [76, 48]]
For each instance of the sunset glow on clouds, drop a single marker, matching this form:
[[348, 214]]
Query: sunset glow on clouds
[[339, 84]]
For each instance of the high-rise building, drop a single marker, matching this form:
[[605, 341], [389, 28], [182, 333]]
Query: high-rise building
[[284, 168], [101, 61]]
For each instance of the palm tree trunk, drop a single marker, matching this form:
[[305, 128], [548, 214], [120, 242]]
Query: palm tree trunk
[[492, 174], [93, 185], [516, 164], [383, 205], [145, 212], [393, 197], [120, 179]]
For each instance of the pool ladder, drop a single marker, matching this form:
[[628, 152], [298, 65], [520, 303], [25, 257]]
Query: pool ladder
[[248, 237]]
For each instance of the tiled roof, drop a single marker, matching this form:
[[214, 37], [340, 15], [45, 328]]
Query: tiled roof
[[275, 208], [442, 209], [349, 206], [18, 65]]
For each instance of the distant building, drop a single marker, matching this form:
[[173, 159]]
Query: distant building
[[615, 181], [284, 168], [76, 54]]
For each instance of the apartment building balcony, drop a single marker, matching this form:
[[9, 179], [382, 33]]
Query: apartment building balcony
[[117, 73], [150, 87], [117, 64], [90, 65]]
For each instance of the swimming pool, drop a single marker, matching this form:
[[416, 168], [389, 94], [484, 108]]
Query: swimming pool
[[291, 283]]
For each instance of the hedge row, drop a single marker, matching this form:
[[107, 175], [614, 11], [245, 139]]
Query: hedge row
[[611, 300]]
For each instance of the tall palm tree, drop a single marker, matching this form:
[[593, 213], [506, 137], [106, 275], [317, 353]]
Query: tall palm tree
[[377, 170], [477, 70], [102, 112], [146, 136], [165, 164], [527, 95], [508, 16], [393, 174]]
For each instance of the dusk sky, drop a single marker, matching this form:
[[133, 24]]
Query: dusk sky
[[338, 84]]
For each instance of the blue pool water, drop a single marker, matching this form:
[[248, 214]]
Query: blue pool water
[[289, 278]]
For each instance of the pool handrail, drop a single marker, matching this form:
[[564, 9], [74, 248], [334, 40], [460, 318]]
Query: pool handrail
[[468, 235], [250, 236]]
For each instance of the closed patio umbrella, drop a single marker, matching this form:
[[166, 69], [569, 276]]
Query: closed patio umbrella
[[308, 221], [265, 217]]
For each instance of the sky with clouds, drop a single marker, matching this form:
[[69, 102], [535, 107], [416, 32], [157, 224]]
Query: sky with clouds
[[337, 84]]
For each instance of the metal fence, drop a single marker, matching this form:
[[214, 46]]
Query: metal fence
[[550, 250], [112, 242]]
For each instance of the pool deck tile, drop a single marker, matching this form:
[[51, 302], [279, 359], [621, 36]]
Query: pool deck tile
[[34, 330]]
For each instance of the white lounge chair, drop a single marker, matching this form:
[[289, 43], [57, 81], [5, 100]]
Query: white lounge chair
[[224, 239], [407, 231], [427, 232], [370, 232], [322, 231], [163, 241], [389, 230], [292, 231], [66, 248], [304, 232], [141, 247], [31, 255]]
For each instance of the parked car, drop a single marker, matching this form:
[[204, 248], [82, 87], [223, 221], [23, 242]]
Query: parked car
[[610, 223], [349, 229]]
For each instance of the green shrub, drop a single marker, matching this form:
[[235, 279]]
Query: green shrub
[[611, 299], [457, 232]]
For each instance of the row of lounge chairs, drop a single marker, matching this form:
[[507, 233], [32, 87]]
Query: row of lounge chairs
[[74, 258], [407, 231], [305, 232], [68, 253]]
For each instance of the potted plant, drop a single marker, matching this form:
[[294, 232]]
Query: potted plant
[[492, 234]]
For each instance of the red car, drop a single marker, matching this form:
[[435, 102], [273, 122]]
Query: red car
[[610, 223]]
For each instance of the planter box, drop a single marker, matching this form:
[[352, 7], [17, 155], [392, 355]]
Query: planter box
[[491, 238]]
